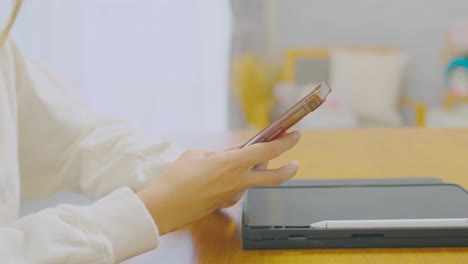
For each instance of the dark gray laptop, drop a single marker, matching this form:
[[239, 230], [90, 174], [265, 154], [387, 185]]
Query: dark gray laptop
[[281, 217]]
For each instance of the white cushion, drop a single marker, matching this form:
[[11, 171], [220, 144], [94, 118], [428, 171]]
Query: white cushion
[[375, 80]]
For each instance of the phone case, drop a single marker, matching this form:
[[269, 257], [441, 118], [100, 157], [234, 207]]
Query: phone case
[[298, 111]]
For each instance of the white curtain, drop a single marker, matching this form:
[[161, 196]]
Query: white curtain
[[162, 65]]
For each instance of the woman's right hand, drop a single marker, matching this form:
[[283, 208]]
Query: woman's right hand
[[199, 182]]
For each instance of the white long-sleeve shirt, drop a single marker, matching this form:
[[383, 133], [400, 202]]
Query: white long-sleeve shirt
[[50, 141]]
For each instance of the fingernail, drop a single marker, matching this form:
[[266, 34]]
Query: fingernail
[[294, 164], [297, 134]]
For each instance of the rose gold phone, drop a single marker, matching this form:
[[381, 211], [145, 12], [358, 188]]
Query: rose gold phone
[[298, 111]]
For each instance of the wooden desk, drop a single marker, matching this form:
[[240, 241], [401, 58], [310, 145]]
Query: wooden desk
[[372, 153]]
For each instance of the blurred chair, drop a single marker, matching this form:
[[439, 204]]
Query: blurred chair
[[368, 85]]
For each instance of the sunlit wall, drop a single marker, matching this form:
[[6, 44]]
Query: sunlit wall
[[159, 64]]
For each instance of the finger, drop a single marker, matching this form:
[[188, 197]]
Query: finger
[[272, 177], [261, 152], [237, 146], [198, 153], [233, 201], [261, 166], [208, 153]]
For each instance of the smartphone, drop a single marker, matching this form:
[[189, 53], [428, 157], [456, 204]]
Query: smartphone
[[309, 103]]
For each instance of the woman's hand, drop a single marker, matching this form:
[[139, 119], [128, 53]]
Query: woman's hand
[[199, 182]]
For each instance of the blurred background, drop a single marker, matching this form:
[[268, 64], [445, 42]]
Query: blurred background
[[175, 67], [161, 65], [185, 66]]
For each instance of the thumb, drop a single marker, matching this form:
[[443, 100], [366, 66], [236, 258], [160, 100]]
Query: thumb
[[274, 176]]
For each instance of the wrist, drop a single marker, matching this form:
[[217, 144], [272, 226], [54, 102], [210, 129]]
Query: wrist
[[157, 211]]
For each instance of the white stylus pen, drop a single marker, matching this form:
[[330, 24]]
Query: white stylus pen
[[393, 223]]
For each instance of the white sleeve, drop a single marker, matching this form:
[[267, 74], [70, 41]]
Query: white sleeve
[[65, 146], [110, 230]]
